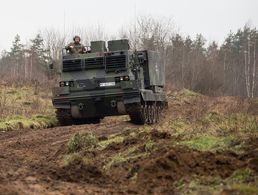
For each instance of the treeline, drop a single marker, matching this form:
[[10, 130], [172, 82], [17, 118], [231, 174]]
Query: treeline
[[209, 68], [228, 69], [25, 62]]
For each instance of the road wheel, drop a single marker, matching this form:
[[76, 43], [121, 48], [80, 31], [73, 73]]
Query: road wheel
[[64, 117], [149, 108], [145, 113], [152, 114], [136, 113], [155, 114], [158, 113]]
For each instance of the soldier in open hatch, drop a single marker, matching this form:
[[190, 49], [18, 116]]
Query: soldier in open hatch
[[76, 47]]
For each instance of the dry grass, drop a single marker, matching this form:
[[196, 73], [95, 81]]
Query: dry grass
[[24, 101], [25, 107]]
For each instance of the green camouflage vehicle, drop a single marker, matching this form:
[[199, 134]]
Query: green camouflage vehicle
[[117, 81]]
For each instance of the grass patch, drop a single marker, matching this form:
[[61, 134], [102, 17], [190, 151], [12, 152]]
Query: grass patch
[[111, 140], [178, 125], [212, 131], [116, 159], [85, 143], [207, 143], [128, 154], [187, 93], [242, 176], [242, 181], [149, 145], [245, 189], [88, 141], [70, 158], [82, 141], [199, 185], [238, 122], [22, 107], [19, 122]]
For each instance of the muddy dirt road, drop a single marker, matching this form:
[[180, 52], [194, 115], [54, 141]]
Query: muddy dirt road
[[144, 160], [29, 158]]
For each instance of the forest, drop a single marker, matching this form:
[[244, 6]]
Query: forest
[[229, 68]]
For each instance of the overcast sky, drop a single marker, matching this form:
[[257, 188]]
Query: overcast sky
[[213, 18]]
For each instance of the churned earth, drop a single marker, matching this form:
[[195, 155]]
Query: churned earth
[[202, 145]]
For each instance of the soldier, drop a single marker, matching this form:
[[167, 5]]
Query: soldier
[[76, 47]]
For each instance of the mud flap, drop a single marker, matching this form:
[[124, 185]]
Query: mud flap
[[148, 95]]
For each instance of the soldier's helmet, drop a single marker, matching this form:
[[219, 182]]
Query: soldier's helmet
[[75, 37]]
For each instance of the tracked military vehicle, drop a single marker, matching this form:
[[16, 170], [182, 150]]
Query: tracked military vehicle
[[108, 82]]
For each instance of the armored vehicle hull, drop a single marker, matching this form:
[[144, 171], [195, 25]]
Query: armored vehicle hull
[[110, 83]]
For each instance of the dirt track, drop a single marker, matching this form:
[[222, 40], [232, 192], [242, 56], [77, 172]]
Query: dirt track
[[29, 158], [31, 161]]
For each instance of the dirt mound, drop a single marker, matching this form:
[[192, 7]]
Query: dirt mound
[[135, 170], [251, 156], [78, 171], [141, 136], [155, 135], [166, 166]]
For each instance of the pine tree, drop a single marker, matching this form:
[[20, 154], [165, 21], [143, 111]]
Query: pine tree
[[38, 49], [39, 56], [16, 55]]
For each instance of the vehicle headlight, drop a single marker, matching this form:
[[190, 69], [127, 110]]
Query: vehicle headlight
[[66, 84]]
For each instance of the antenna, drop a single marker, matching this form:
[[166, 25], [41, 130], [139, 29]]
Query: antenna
[[64, 25], [135, 28]]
